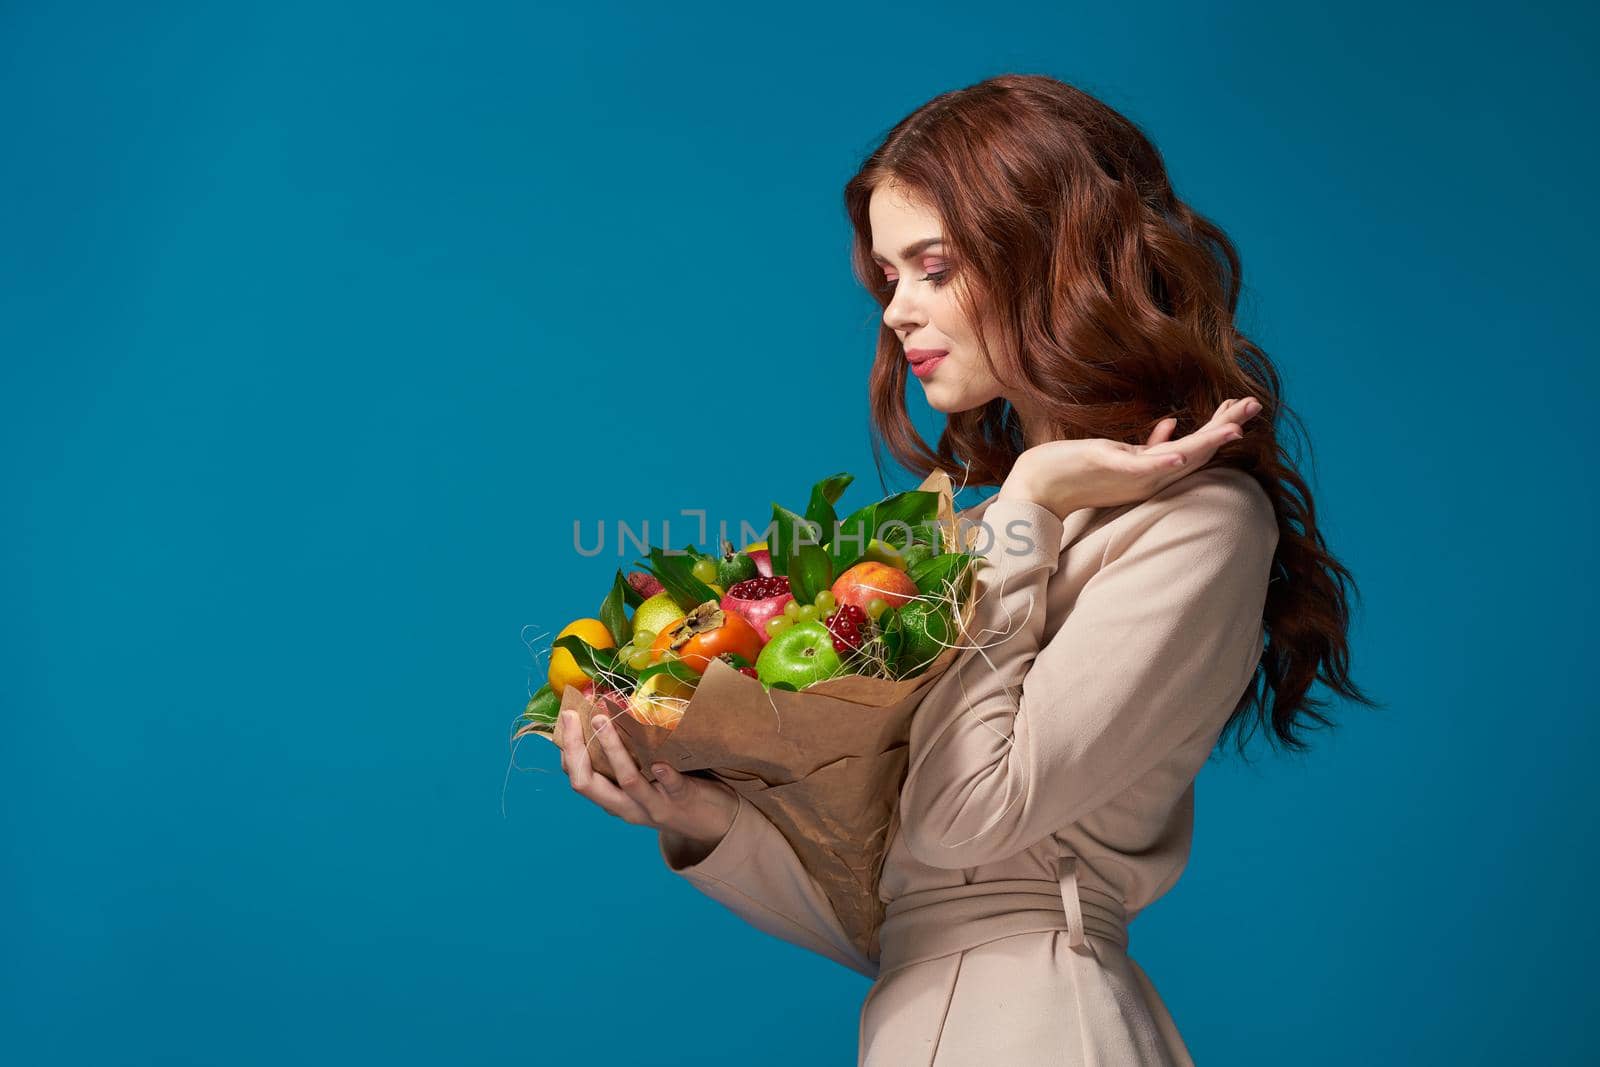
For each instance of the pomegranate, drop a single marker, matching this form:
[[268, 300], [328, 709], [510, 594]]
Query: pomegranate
[[758, 599], [847, 624], [646, 585], [751, 671], [608, 700], [763, 558]]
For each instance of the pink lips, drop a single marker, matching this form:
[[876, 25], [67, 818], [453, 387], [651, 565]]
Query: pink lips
[[924, 360]]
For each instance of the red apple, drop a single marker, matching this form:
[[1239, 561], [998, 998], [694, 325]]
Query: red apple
[[871, 580]]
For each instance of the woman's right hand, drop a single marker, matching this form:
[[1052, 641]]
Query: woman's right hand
[[698, 809], [1062, 476]]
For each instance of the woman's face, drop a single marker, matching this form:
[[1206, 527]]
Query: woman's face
[[923, 312]]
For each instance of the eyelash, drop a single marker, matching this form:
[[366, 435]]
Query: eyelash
[[938, 278]]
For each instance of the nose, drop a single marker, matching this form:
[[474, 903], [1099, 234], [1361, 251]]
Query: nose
[[901, 314]]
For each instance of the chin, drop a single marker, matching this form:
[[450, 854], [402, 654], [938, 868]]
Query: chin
[[941, 402]]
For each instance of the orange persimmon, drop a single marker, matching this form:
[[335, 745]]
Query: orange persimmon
[[706, 633]]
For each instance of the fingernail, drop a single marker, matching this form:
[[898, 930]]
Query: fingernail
[[598, 721], [660, 769]]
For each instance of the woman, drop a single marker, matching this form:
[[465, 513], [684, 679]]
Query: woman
[[1070, 316]]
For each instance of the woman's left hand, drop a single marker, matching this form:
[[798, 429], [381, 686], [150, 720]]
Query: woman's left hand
[[698, 809], [1063, 476]]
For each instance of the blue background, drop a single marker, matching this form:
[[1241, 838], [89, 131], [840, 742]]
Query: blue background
[[323, 323]]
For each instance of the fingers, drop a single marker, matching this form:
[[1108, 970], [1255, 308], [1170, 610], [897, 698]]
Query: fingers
[[1235, 411], [585, 780], [1227, 424], [641, 793], [1200, 446], [1165, 460], [1143, 459], [1193, 451], [673, 784], [1150, 461], [573, 748], [1162, 432], [1231, 415]]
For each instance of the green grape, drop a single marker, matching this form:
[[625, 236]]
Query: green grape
[[640, 659], [705, 570], [777, 624], [791, 609], [644, 639], [806, 613], [875, 607], [825, 602]]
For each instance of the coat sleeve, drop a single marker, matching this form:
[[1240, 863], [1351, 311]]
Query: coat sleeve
[[1026, 737], [754, 872]]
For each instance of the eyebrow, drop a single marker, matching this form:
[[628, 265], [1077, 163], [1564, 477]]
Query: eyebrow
[[913, 248]]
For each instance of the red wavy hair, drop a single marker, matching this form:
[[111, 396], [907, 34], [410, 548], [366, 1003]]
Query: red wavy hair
[[1112, 304]]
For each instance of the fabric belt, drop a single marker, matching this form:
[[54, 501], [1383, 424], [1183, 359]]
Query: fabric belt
[[937, 922]]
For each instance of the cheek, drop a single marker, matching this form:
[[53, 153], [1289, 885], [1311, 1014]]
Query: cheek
[[950, 322], [970, 371]]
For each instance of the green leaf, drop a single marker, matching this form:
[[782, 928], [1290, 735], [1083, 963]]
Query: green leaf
[[810, 572], [927, 533], [735, 660], [544, 706], [892, 632], [788, 529], [918, 553], [824, 495], [850, 541], [675, 573], [913, 507], [931, 575], [595, 662], [614, 614], [675, 667]]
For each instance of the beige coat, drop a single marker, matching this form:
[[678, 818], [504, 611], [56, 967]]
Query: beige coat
[[1038, 819]]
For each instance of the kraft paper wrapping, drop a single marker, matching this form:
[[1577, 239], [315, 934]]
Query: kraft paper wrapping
[[824, 764]]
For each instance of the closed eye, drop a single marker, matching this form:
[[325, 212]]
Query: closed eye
[[938, 278]]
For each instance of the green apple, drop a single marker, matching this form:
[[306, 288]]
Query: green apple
[[798, 655], [883, 552]]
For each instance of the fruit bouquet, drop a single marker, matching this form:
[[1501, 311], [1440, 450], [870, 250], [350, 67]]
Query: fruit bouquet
[[789, 669]]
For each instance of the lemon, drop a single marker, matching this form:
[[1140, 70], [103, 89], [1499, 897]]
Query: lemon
[[660, 700], [564, 669], [656, 614]]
